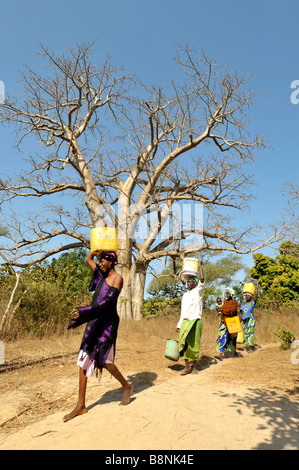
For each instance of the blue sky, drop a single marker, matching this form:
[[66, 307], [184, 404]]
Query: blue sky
[[256, 38]]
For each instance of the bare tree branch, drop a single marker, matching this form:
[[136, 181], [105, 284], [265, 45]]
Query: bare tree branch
[[110, 146]]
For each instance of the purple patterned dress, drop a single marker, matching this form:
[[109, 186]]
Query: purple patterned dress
[[100, 334]]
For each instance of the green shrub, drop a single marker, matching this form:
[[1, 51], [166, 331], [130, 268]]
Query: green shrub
[[286, 337], [162, 306], [46, 294]]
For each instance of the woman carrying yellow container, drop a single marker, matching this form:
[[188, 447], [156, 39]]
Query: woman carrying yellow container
[[227, 340], [248, 318], [97, 350]]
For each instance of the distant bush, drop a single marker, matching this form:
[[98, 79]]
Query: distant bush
[[278, 277], [286, 336], [162, 306], [52, 291]]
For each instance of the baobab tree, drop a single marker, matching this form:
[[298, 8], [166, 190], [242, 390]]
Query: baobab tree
[[115, 149]]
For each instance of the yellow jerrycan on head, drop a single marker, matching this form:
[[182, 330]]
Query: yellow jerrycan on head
[[103, 239], [249, 287]]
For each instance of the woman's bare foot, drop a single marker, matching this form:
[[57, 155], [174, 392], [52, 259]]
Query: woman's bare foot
[[128, 390], [76, 412]]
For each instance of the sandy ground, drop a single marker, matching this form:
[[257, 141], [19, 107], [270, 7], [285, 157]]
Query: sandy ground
[[250, 402]]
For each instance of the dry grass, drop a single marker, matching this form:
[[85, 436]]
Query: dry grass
[[147, 335], [30, 393]]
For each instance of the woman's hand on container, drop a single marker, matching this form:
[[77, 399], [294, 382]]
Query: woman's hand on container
[[177, 330]]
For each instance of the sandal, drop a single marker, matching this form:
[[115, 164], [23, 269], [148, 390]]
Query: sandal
[[220, 358], [188, 369]]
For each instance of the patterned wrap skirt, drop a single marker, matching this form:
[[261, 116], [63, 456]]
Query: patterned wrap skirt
[[249, 330], [225, 340], [189, 340]]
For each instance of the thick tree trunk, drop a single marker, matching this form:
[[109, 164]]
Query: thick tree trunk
[[131, 297], [134, 274], [93, 202], [137, 282]]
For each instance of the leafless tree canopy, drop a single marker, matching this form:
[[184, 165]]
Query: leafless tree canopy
[[109, 143]]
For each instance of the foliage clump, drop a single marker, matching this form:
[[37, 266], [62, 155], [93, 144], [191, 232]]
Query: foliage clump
[[47, 292], [286, 336], [278, 277]]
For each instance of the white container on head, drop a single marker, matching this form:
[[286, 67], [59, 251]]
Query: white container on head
[[190, 267]]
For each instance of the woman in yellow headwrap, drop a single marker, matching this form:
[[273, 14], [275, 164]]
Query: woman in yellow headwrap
[[248, 318]]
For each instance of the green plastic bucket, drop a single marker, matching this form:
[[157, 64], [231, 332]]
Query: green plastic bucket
[[172, 350]]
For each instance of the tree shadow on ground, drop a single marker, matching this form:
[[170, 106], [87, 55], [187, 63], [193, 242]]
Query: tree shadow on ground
[[140, 382], [280, 414]]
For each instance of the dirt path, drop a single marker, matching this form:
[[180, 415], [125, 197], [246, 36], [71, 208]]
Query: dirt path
[[219, 407]]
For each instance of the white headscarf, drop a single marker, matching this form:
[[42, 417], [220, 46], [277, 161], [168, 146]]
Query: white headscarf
[[230, 290], [247, 293]]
